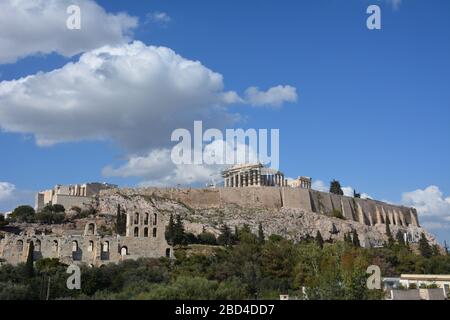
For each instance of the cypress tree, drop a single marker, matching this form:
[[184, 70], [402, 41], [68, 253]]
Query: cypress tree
[[260, 234], [178, 234], [389, 234], [226, 237], [319, 239], [400, 238], [170, 230], [335, 187], [29, 264], [355, 239], [121, 222], [424, 247]]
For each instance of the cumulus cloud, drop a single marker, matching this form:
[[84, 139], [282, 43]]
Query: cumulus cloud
[[319, 185], [132, 94], [6, 190], [429, 202], [39, 27], [432, 207], [273, 97], [160, 18], [157, 168]]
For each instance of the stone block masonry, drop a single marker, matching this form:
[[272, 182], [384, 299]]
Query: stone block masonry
[[365, 211]]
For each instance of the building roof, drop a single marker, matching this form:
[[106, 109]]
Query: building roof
[[426, 277]]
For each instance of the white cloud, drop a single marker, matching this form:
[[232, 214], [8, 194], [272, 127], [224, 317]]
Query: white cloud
[[429, 202], [319, 185], [273, 97], [433, 225], [395, 3], [432, 207], [132, 94], [348, 191], [39, 27], [160, 18], [6, 190], [157, 169]]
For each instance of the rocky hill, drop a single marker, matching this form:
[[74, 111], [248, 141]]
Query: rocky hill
[[292, 223]]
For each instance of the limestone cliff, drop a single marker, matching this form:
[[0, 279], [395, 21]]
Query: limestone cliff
[[210, 209]]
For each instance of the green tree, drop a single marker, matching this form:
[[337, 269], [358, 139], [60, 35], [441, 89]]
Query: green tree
[[207, 238], [121, 221], [3, 221], [29, 264], [435, 250], [58, 208], [389, 234], [355, 239], [335, 187], [319, 239], [22, 214], [260, 234], [348, 238], [48, 217], [226, 237], [424, 247], [170, 230], [400, 238], [178, 232]]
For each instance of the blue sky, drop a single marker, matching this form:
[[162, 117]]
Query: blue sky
[[372, 111]]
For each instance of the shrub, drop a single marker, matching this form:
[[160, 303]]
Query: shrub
[[207, 238], [22, 214], [47, 217], [3, 222]]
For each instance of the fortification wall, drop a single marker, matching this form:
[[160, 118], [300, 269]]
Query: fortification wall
[[366, 211], [71, 201]]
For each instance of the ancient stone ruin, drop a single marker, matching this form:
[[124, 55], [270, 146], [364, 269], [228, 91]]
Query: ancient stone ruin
[[293, 212]]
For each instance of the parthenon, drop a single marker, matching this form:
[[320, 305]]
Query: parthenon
[[252, 175]]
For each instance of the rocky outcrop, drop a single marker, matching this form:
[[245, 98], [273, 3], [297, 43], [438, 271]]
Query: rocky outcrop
[[292, 223]]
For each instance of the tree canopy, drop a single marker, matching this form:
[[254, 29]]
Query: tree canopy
[[335, 187], [22, 214]]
